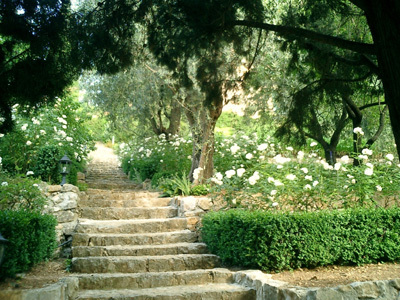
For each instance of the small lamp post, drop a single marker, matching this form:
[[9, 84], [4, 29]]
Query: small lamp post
[[65, 165], [3, 243]]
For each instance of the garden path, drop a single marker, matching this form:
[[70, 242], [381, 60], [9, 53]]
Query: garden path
[[130, 244]]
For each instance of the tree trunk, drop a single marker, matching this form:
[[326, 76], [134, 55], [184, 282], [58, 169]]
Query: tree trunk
[[383, 20], [202, 120], [173, 117]]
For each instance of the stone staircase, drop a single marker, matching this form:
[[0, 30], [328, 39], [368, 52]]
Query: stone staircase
[[130, 244]]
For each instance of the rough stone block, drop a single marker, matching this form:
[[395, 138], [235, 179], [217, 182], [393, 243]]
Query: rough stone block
[[367, 290], [54, 188], [188, 203], [81, 176], [66, 216], [65, 201], [347, 292], [69, 188], [324, 294], [204, 203]]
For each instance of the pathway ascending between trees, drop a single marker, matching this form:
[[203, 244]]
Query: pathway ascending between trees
[[130, 244]]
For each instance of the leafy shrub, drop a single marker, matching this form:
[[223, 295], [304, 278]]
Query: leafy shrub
[[276, 241], [200, 190], [39, 132], [159, 158], [20, 193], [32, 239], [176, 186], [47, 164]]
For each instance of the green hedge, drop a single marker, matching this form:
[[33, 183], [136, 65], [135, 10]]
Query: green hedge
[[277, 241], [32, 239]]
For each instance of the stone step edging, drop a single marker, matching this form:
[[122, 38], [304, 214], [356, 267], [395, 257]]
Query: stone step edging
[[270, 289]]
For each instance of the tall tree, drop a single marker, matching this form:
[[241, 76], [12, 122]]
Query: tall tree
[[44, 46], [209, 24], [378, 50], [144, 95], [34, 53], [205, 65]]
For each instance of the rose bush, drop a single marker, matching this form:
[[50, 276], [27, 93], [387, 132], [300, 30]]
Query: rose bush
[[260, 172], [42, 136]]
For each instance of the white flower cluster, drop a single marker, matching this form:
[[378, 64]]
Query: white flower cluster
[[254, 178], [217, 178], [197, 172], [358, 130]]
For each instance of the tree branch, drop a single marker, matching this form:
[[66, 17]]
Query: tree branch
[[371, 104], [380, 128], [358, 47], [339, 128]]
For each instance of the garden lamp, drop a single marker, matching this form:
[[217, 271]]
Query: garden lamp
[[65, 165], [3, 243]]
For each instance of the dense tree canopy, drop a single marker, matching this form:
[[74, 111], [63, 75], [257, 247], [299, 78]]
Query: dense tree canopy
[[44, 45], [34, 53]]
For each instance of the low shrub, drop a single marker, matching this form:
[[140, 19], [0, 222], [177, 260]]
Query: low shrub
[[20, 193], [32, 239], [275, 241]]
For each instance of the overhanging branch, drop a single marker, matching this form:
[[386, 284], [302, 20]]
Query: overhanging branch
[[358, 47]]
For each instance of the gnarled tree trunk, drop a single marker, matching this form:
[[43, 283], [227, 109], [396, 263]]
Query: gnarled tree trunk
[[202, 119]]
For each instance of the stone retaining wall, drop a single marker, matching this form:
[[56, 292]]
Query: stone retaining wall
[[269, 289], [192, 208], [65, 289], [63, 204]]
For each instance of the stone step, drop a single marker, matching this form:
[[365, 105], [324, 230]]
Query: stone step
[[142, 264], [220, 291], [153, 279], [135, 202], [113, 186], [117, 213], [140, 250], [110, 178], [157, 238], [121, 195], [105, 174], [131, 226]]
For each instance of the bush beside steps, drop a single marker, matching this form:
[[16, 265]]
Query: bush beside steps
[[275, 241]]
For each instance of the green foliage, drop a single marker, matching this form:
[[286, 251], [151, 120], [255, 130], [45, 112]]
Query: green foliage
[[47, 161], [43, 135], [267, 174], [82, 186], [20, 193], [200, 190], [278, 241], [176, 185], [32, 239], [137, 100], [29, 72], [156, 158]]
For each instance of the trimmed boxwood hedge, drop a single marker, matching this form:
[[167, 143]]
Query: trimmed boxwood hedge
[[32, 239], [275, 241]]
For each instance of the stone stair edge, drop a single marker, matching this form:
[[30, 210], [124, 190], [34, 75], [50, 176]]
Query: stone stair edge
[[211, 291]]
